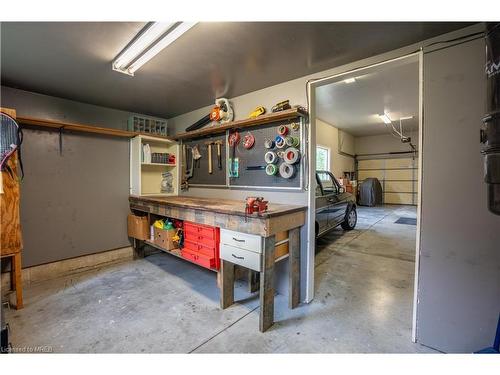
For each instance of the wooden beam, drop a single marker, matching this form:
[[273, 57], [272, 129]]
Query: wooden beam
[[54, 124], [267, 286], [294, 268], [289, 114], [227, 287]]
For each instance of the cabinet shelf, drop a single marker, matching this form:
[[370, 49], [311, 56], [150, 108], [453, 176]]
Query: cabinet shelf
[[146, 178]]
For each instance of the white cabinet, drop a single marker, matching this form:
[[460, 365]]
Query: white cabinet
[[145, 176]]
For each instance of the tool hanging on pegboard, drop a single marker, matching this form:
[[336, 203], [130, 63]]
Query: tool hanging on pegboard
[[233, 140], [219, 153]]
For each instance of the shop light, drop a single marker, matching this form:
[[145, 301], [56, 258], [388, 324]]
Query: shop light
[[153, 39], [350, 80]]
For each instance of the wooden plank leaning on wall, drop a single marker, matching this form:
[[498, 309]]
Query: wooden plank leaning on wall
[[10, 225]]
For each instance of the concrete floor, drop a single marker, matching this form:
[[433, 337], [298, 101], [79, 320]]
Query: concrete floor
[[363, 302]]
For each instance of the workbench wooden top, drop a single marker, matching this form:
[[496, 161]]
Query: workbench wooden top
[[224, 206]]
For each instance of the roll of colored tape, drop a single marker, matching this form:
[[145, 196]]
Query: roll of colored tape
[[291, 155], [296, 142], [280, 154], [287, 170], [283, 130], [269, 143], [289, 141], [280, 141], [270, 157], [295, 126], [248, 141], [271, 169]]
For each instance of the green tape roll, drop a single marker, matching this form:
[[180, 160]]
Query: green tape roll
[[271, 169]]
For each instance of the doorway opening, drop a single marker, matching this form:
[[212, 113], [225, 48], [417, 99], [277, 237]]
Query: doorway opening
[[367, 125]]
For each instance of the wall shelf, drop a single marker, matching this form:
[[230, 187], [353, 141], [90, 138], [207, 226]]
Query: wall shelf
[[60, 125], [289, 114], [159, 164]]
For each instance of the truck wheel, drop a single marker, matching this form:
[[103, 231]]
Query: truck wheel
[[350, 220]]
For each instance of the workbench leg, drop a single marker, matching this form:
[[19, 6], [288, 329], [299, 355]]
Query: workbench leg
[[138, 249], [18, 280], [267, 285], [294, 268], [227, 287], [253, 281]]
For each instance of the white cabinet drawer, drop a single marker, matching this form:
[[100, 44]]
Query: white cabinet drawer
[[245, 258], [242, 240]]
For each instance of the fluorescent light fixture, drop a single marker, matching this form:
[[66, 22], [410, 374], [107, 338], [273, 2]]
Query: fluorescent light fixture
[[406, 118], [148, 44], [350, 80], [385, 118]]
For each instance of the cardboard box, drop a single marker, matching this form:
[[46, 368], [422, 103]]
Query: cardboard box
[[163, 238], [137, 227]]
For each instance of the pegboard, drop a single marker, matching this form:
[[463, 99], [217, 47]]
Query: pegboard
[[255, 157], [200, 171]]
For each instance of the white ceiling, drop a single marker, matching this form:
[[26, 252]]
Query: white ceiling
[[391, 88]]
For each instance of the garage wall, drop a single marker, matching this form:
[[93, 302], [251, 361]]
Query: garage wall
[[382, 143], [83, 191], [459, 281], [329, 136]]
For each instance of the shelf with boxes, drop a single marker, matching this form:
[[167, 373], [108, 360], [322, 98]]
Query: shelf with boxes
[[196, 243], [153, 166], [199, 243]]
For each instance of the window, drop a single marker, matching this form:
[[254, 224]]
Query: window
[[329, 186], [322, 158]]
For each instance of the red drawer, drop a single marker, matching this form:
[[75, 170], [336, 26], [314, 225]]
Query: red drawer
[[199, 248], [196, 230], [202, 240], [199, 258]]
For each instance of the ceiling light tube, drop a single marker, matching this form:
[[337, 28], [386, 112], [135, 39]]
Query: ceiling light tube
[[154, 39], [168, 39], [350, 80], [144, 40], [385, 118], [406, 118]]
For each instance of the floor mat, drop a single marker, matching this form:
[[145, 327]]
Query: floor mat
[[406, 220]]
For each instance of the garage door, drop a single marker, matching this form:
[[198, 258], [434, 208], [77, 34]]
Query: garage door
[[398, 176]]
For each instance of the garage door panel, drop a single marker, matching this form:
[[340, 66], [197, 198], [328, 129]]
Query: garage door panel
[[400, 163], [399, 174], [371, 164], [399, 186], [363, 175], [400, 198]]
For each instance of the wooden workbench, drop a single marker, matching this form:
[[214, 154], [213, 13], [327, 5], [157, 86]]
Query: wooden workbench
[[230, 214]]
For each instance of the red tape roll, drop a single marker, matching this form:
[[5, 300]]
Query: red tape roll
[[248, 141]]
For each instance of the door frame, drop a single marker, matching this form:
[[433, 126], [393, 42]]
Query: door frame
[[312, 85]]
